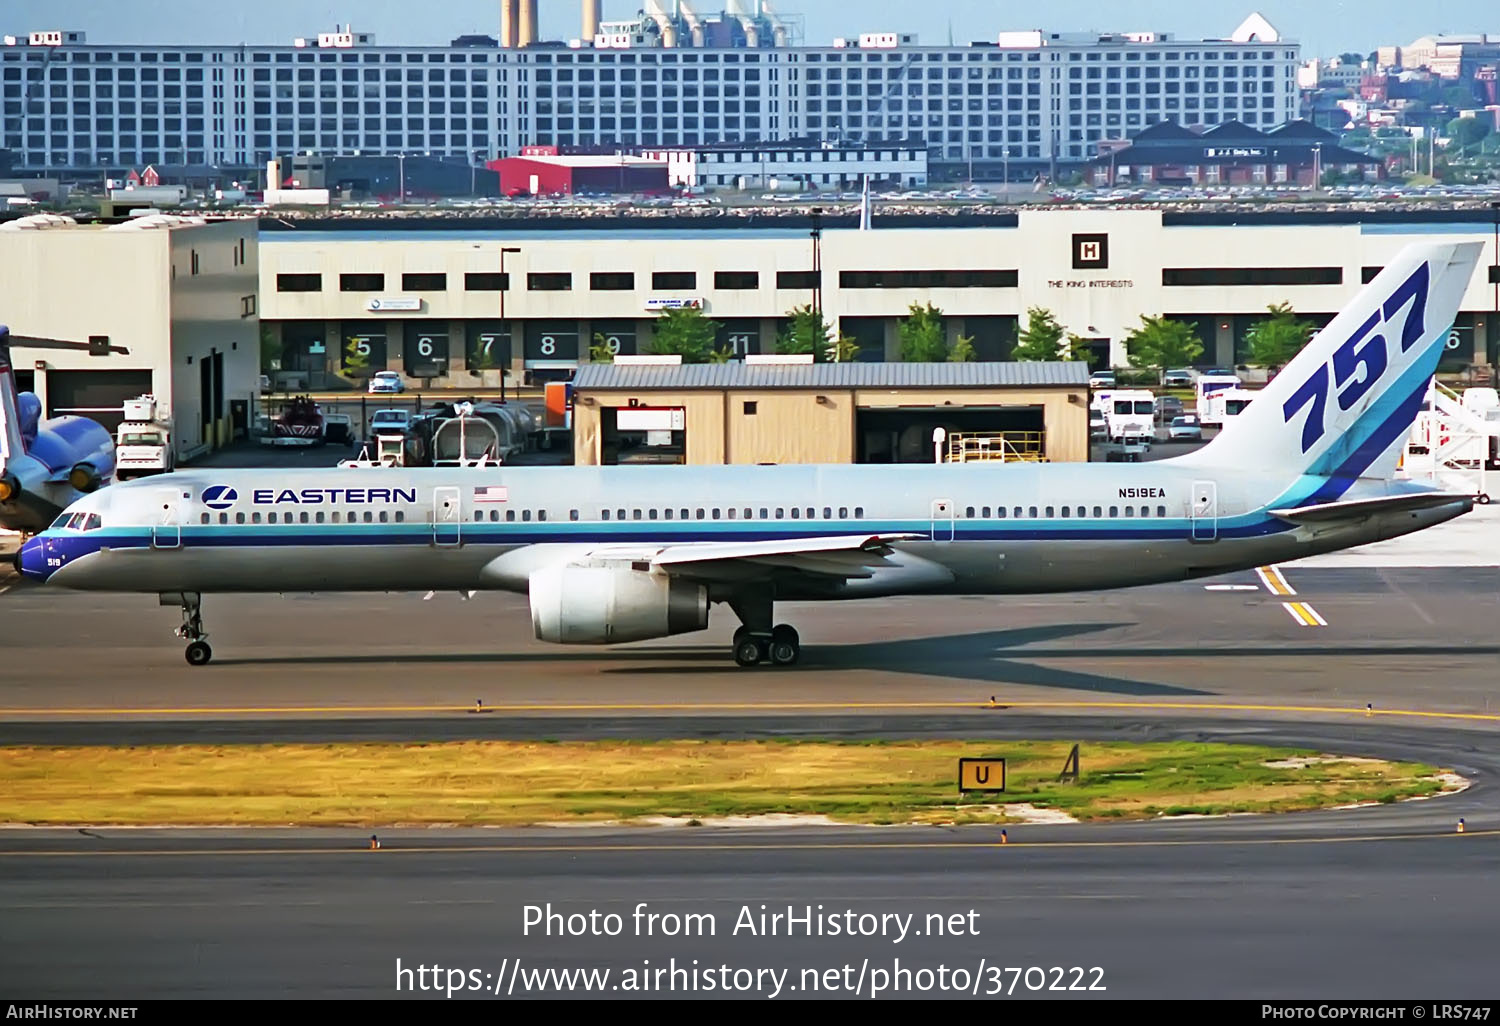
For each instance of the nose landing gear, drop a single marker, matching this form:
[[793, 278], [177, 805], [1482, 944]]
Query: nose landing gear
[[198, 651]]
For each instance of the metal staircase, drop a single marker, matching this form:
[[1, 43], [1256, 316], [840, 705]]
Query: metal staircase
[[1455, 440]]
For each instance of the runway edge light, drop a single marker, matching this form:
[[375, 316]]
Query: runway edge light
[[374, 842], [1460, 824]]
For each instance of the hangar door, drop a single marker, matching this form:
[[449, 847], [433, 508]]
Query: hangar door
[[97, 394], [904, 434]]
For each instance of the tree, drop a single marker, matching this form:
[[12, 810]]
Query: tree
[[601, 351], [963, 350], [1465, 132], [1350, 58], [270, 349], [1274, 341], [1078, 349], [922, 336], [687, 333], [806, 332], [1041, 339], [356, 356], [1159, 343]]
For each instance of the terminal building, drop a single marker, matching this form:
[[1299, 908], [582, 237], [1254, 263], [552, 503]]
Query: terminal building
[[459, 308], [1020, 104], [169, 305]]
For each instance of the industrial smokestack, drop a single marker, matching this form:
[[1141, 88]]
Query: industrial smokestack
[[527, 23], [590, 20], [508, 23]]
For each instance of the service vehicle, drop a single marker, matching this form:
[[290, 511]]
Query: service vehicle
[[1131, 412], [143, 441]]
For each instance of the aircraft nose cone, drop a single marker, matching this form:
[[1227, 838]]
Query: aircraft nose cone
[[30, 561]]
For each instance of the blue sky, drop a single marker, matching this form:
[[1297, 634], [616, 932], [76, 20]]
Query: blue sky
[[1323, 26]]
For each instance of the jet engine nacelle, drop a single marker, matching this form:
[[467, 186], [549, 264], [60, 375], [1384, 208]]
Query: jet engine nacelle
[[587, 605], [85, 477]]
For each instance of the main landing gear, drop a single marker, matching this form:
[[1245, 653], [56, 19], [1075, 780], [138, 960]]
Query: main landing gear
[[781, 648], [198, 651], [757, 643]]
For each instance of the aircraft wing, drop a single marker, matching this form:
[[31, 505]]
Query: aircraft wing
[[1331, 511], [835, 556]]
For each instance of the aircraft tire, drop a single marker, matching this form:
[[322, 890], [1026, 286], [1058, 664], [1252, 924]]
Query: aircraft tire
[[750, 652], [198, 653]]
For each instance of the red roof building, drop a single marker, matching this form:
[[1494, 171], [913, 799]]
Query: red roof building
[[548, 174]]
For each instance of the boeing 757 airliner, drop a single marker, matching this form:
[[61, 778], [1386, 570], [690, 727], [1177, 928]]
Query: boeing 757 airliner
[[618, 554]]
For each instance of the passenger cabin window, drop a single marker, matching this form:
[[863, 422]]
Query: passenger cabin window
[[780, 513], [510, 516], [319, 517], [255, 518], [1130, 511], [604, 514], [1065, 512], [1050, 513], [494, 515], [541, 514], [401, 517], [716, 513], [827, 513], [859, 512], [525, 514], [811, 513], [572, 514], [1161, 511], [765, 513], [1114, 511], [384, 517], [635, 514], [843, 512], [1032, 513], [700, 513], [224, 517], [796, 513], [666, 514], [1000, 512], [205, 519], [651, 514], [368, 517], [684, 515], [1098, 511], [619, 514]]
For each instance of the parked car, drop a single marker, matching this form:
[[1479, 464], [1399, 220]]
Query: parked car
[[1098, 428], [1184, 428], [385, 381], [1102, 379], [389, 422], [1180, 377], [1168, 407]]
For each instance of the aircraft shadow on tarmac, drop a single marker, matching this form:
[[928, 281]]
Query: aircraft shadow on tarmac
[[980, 657]]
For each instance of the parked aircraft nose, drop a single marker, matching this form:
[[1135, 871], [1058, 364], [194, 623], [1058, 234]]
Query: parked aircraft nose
[[30, 560]]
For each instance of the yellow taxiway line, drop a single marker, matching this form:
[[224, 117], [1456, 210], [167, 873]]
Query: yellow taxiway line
[[1304, 614], [1275, 583], [617, 849], [754, 707]]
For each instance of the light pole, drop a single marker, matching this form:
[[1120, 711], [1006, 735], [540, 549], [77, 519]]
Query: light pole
[[817, 241], [504, 288], [401, 165], [1317, 166], [1494, 326]]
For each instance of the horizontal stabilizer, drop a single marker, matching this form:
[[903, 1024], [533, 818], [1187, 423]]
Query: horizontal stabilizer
[[1354, 508]]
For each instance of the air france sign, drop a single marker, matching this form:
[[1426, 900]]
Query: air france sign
[[658, 303]]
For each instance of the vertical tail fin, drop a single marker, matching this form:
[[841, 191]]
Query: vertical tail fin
[[1342, 406], [11, 445]]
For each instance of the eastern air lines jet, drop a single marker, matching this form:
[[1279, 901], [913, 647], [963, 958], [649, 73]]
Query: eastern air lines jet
[[618, 554]]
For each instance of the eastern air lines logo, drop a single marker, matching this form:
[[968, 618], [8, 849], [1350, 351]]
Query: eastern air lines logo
[[220, 496]]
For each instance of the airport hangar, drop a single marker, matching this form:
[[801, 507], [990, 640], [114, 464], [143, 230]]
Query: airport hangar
[[167, 305], [788, 411], [450, 308]]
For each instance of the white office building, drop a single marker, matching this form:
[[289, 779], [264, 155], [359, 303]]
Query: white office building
[[1025, 102]]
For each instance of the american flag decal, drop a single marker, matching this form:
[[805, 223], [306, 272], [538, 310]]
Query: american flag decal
[[490, 493]]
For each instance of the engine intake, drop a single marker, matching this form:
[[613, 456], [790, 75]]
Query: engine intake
[[588, 605]]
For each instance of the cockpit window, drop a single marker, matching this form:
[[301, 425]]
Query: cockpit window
[[75, 522], [61, 522], [93, 522]]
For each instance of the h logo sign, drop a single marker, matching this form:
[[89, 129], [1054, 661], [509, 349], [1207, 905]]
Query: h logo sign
[[1090, 252]]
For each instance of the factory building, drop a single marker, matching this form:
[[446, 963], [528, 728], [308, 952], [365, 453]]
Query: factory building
[[167, 306], [542, 171], [781, 411], [1017, 104]]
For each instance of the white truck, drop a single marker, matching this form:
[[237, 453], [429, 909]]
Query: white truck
[[1130, 413], [1222, 405], [143, 442]]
